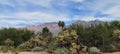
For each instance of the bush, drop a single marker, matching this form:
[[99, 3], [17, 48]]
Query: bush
[[109, 48], [94, 50], [4, 49], [118, 46], [49, 51], [113, 47], [1, 48], [37, 49], [15, 50], [61, 51]]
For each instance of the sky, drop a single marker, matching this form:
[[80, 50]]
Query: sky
[[19, 13]]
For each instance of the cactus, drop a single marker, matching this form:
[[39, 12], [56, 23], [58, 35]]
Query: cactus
[[61, 51], [94, 50], [38, 49], [73, 48]]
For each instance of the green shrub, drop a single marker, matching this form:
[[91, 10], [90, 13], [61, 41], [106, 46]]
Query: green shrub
[[113, 47], [4, 49], [94, 50], [117, 45], [109, 48], [38, 49], [49, 50], [1, 48], [15, 50], [61, 51]]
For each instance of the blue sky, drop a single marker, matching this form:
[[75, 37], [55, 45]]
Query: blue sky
[[18, 13]]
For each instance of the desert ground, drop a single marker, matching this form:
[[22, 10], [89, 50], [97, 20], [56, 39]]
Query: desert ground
[[27, 53], [47, 53], [112, 53]]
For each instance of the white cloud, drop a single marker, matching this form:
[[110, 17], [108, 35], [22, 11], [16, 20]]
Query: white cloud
[[110, 7], [13, 22], [23, 3], [32, 18], [113, 11], [44, 3], [7, 2], [77, 0], [90, 18]]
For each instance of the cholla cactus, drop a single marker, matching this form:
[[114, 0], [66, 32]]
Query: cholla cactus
[[66, 38], [116, 33], [73, 48], [9, 42], [94, 50], [61, 51], [33, 42]]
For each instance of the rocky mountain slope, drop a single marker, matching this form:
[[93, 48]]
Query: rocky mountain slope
[[54, 28]]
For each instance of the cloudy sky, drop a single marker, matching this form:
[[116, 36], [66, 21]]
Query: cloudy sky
[[17, 13]]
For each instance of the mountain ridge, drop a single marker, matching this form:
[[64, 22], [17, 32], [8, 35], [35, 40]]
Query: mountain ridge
[[55, 29]]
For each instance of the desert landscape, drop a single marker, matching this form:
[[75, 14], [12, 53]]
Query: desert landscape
[[59, 26]]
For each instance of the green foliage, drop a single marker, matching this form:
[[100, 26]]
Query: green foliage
[[116, 34], [45, 29], [100, 35], [61, 24], [17, 35], [37, 49], [15, 50], [105, 36], [65, 38], [115, 25], [74, 48], [46, 34], [4, 49], [94, 50], [33, 42], [61, 51], [51, 46], [8, 42]]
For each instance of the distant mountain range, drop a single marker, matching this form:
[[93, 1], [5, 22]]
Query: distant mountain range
[[54, 28], [88, 23]]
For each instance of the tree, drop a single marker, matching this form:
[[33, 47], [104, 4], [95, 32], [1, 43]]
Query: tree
[[46, 34], [61, 24], [45, 29], [115, 24], [17, 35], [95, 35]]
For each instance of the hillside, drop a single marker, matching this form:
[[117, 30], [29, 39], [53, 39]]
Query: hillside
[[54, 28]]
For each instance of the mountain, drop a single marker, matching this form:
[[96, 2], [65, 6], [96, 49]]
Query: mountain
[[88, 23], [54, 28]]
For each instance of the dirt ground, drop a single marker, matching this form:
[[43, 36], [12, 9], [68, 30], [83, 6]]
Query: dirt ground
[[27, 53], [112, 53], [47, 53]]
